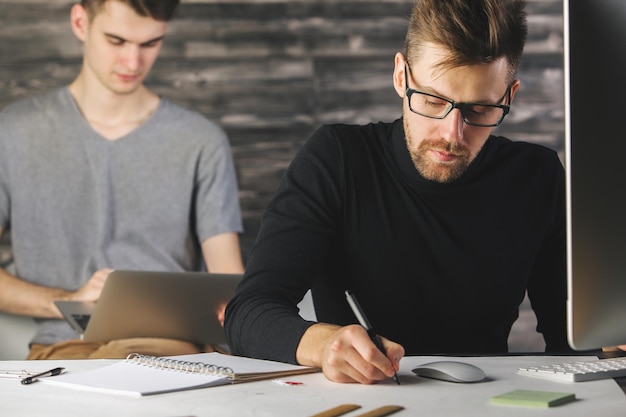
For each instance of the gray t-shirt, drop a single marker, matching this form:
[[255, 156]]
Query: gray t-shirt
[[76, 202]]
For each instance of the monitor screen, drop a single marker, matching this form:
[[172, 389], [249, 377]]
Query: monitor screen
[[595, 148]]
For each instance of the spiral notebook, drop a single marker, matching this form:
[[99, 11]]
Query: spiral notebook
[[140, 375]]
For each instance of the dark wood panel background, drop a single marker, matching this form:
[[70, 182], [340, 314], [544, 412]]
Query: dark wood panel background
[[271, 71]]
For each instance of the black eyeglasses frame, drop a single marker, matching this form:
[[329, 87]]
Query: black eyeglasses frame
[[456, 105]]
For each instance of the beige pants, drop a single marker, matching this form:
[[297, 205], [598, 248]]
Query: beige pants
[[116, 349]]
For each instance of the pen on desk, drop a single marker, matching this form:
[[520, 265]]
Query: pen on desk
[[360, 315], [33, 378]]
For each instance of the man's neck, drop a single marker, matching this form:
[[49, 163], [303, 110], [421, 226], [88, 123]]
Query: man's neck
[[110, 114]]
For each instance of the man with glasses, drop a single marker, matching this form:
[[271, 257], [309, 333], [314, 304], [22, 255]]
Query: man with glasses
[[436, 225]]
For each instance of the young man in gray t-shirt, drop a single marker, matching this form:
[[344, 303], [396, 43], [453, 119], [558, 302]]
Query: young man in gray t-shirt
[[106, 174]]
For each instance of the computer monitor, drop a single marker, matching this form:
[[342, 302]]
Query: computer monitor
[[595, 148]]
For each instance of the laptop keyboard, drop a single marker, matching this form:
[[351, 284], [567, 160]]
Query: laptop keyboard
[[82, 319], [579, 371]]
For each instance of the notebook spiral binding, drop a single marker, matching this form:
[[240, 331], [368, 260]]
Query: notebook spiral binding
[[181, 366]]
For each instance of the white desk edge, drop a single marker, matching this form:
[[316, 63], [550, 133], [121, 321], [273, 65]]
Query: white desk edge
[[418, 396]]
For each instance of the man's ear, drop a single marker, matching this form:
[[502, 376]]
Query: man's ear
[[399, 75], [514, 86], [80, 21]]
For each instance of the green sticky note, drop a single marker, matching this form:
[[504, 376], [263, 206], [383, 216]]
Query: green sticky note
[[525, 398]]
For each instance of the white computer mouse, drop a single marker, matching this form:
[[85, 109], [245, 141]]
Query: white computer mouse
[[452, 371]]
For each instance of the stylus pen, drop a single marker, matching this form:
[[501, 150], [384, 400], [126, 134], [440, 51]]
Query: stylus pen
[[360, 315], [33, 378]]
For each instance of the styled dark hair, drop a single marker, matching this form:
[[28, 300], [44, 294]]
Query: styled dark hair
[[474, 31], [162, 10]]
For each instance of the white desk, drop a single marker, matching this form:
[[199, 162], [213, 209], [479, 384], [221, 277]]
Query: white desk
[[266, 398]]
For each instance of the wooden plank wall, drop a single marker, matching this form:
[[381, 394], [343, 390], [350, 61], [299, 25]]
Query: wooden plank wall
[[271, 71]]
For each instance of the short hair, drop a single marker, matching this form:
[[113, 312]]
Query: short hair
[[474, 31], [162, 10]]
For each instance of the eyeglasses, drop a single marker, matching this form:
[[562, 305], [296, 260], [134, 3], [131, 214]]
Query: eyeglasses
[[475, 114]]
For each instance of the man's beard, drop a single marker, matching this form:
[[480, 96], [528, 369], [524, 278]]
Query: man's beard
[[442, 172]]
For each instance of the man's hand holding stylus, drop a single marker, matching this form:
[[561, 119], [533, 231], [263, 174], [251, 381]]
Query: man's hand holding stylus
[[347, 354]]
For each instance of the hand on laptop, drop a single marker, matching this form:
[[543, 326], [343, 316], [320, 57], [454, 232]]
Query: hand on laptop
[[221, 313], [92, 288], [614, 348]]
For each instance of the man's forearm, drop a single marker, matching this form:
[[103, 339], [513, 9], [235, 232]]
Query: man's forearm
[[312, 341], [21, 297]]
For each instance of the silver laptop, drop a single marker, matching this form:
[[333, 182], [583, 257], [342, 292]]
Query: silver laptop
[[174, 305]]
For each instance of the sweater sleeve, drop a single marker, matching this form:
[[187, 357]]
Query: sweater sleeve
[[293, 244]]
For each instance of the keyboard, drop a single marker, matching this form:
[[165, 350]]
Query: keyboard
[[82, 319], [578, 371]]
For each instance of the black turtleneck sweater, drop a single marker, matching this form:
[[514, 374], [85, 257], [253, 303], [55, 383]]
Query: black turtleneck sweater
[[438, 268]]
